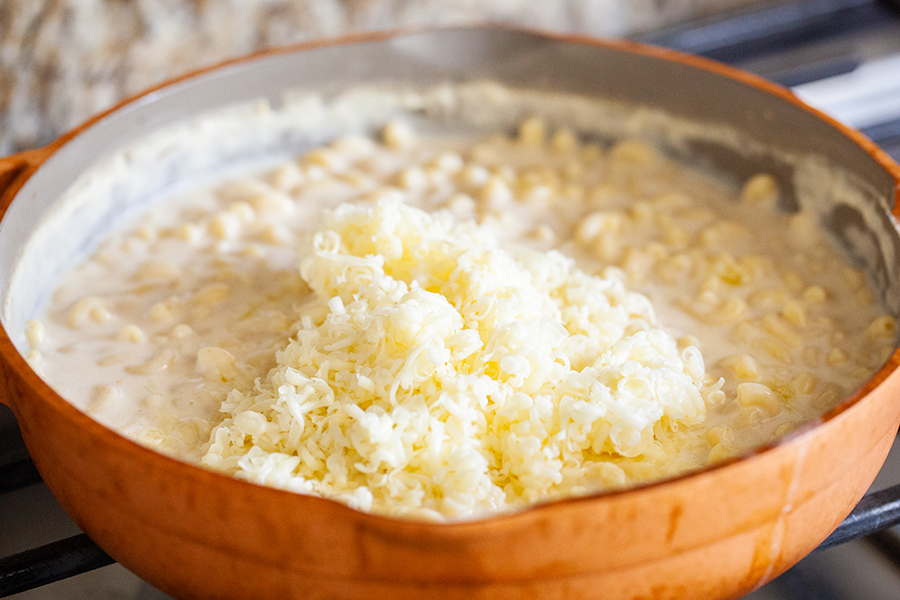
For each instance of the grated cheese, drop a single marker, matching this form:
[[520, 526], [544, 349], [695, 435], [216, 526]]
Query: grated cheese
[[436, 374]]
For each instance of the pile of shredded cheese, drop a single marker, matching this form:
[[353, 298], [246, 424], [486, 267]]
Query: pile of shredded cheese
[[438, 375]]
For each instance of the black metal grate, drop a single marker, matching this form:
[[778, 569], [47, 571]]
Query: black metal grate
[[52, 562], [874, 513], [777, 28]]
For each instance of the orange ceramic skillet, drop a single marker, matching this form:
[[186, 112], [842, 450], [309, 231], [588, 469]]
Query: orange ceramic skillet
[[717, 533]]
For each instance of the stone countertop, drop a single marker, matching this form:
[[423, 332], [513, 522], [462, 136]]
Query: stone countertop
[[62, 61]]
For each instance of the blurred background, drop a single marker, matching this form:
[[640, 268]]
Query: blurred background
[[62, 61]]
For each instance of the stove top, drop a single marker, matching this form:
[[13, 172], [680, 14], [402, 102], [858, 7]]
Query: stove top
[[842, 57]]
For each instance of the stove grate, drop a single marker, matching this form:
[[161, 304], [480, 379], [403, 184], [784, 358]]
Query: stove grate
[[39, 566]]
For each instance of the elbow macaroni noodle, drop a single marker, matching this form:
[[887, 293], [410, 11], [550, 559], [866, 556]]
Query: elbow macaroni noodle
[[446, 328]]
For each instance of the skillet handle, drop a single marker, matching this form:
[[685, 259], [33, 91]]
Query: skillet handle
[[10, 168], [13, 167]]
